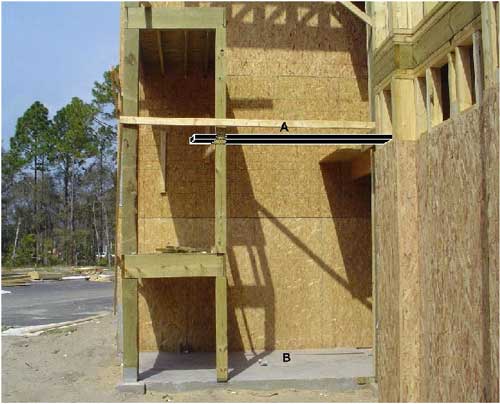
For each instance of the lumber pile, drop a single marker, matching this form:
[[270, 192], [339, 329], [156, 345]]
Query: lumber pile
[[15, 279], [39, 276]]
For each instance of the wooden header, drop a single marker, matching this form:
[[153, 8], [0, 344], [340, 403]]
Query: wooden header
[[251, 123], [176, 18]]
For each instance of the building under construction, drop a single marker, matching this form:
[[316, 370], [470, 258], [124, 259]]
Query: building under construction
[[252, 248]]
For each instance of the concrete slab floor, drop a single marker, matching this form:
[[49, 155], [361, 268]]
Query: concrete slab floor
[[336, 369]]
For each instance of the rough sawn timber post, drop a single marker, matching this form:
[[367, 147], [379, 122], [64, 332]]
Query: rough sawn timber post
[[128, 204], [220, 206]]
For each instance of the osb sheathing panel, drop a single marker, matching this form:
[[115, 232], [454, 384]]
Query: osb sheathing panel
[[458, 207], [409, 276], [491, 130], [299, 248], [387, 259]]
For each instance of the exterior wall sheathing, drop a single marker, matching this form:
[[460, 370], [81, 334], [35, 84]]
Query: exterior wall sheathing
[[299, 235], [457, 180]]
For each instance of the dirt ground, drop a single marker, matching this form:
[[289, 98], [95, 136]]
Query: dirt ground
[[79, 364]]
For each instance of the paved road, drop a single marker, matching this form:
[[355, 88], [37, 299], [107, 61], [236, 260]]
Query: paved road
[[48, 302]]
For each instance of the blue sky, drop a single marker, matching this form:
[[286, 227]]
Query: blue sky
[[52, 52]]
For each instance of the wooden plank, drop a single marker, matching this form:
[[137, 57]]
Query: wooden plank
[[251, 123], [176, 18], [433, 98], [220, 73], [420, 106], [478, 67], [356, 11], [163, 160], [489, 46], [176, 265], [452, 84], [220, 196], [385, 111], [373, 216], [221, 328], [186, 38], [130, 330], [361, 165], [160, 52], [463, 76], [369, 53]]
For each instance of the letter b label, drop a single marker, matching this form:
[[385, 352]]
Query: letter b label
[[286, 357]]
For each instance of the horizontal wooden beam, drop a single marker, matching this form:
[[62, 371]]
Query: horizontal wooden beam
[[253, 123], [356, 11], [173, 265], [175, 18]]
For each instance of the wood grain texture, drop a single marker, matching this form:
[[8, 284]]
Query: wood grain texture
[[299, 231], [442, 278]]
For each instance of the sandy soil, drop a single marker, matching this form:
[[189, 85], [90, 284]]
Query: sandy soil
[[79, 364]]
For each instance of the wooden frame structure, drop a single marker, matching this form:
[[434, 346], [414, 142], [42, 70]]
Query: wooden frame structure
[[136, 266]]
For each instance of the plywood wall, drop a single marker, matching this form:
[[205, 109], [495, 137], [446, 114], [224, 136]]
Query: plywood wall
[[299, 247], [457, 183]]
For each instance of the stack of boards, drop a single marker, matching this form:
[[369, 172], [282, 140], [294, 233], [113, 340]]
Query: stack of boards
[[25, 278], [15, 279]]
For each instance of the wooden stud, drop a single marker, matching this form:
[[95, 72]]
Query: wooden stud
[[160, 52], [385, 103], [452, 84], [489, 46], [186, 38], [173, 265], [128, 203], [163, 160], [464, 77], [374, 262], [207, 47], [420, 106], [369, 52], [220, 196], [221, 328], [250, 123], [478, 68], [433, 97]]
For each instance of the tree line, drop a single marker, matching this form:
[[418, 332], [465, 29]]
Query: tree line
[[58, 182]]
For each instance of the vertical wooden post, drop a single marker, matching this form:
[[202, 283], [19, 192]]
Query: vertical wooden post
[[420, 106], [403, 107], [478, 68], [463, 76], [433, 97], [489, 34], [374, 263], [452, 84], [220, 205], [128, 203]]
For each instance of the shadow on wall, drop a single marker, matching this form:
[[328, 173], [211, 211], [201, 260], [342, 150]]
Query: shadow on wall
[[180, 308], [276, 25]]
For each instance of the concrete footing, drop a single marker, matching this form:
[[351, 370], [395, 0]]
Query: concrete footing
[[331, 370], [132, 387]]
